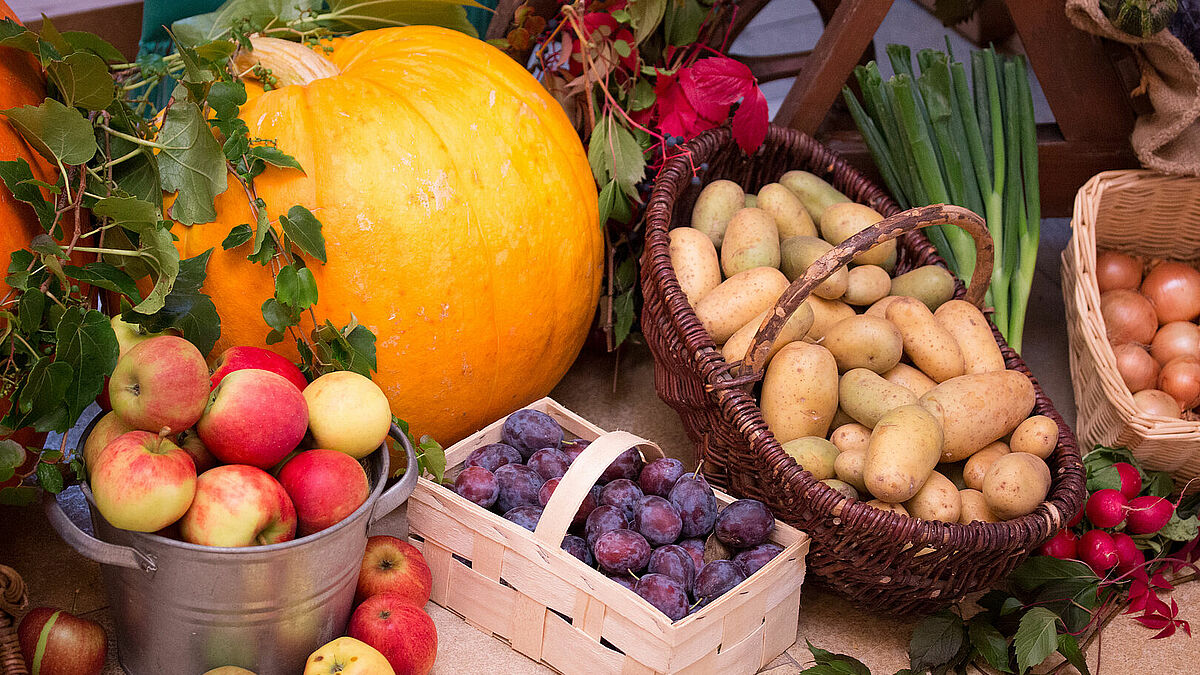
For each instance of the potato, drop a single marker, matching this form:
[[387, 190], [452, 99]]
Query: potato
[[880, 306], [931, 284], [840, 419], [885, 506], [841, 221], [717, 203], [739, 299], [979, 408], [866, 284], [867, 397], [971, 330], [751, 240], [849, 468], [902, 453], [814, 454], [798, 253], [851, 437], [695, 261], [800, 391], [843, 487], [788, 211], [1016, 484], [907, 376], [978, 464], [863, 341], [815, 194], [930, 346], [825, 314], [795, 329], [1037, 435], [974, 507], [937, 499], [751, 200]]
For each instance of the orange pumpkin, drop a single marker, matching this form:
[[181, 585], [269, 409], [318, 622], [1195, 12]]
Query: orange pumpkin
[[459, 215]]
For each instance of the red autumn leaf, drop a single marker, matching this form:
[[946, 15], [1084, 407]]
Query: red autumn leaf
[[1154, 622], [1174, 609], [750, 121], [710, 109], [722, 80], [1165, 632], [1160, 582], [1187, 627], [676, 116]]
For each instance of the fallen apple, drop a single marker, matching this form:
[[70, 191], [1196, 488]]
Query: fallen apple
[[229, 670], [55, 642], [392, 565], [238, 505], [400, 630], [142, 482], [190, 442], [325, 486], [106, 429], [348, 413], [256, 358], [253, 417], [161, 382], [347, 656]]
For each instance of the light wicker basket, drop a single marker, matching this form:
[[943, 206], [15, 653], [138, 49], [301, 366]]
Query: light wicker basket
[[1151, 215], [521, 587]]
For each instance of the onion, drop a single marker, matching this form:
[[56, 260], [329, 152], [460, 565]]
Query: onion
[[1155, 402], [1181, 379], [1178, 338], [1117, 270], [1128, 317], [1137, 369], [1173, 289]]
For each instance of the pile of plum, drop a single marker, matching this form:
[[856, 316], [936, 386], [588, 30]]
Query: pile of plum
[[649, 527]]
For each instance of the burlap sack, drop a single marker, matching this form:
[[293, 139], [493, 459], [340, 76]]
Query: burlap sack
[[1168, 139]]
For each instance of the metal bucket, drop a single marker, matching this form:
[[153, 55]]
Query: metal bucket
[[181, 609]]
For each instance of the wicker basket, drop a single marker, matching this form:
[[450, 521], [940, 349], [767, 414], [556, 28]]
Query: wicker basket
[[12, 600], [521, 587], [1147, 214], [879, 560]]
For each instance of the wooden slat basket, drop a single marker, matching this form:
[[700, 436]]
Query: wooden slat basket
[[1151, 215], [521, 587]]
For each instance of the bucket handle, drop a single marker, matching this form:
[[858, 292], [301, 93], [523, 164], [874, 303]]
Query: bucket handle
[[398, 493], [91, 547]]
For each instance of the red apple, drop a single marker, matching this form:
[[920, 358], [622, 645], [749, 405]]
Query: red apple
[[190, 442], [142, 482], [325, 486], [108, 428], [55, 642], [256, 358], [160, 382], [253, 417], [392, 565], [238, 505], [401, 631]]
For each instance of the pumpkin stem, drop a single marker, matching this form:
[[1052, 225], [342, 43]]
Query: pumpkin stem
[[282, 62]]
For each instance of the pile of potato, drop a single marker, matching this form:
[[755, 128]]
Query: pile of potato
[[883, 388]]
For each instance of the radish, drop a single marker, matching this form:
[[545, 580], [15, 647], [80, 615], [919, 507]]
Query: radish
[[1097, 550], [1106, 508], [1131, 480], [1129, 556], [1076, 520], [1062, 545], [1148, 514]]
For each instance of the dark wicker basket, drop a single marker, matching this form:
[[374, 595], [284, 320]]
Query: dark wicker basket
[[879, 560]]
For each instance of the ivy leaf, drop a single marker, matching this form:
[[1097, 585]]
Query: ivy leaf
[[431, 457], [682, 22], [1036, 638], [203, 28], [18, 176], [87, 344], [55, 131], [615, 155], [237, 236], [359, 356], [642, 96], [225, 98], [13, 34], [360, 15], [935, 641], [137, 176], [614, 205], [1072, 599], [106, 276], [191, 164], [43, 244], [49, 477], [646, 15], [1068, 646], [296, 287], [44, 387], [83, 81], [834, 664], [21, 495], [128, 212], [303, 228], [275, 157], [277, 316], [30, 309], [1159, 484], [623, 311], [12, 456], [990, 644], [159, 252], [261, 230], [185, 308], [82, 41], [750, 122]]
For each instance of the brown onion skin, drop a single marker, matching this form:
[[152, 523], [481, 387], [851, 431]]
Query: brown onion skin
[[1180, 378], [1156, 402], [1116, 270], [1173, 288], [1128, 317], [1177, 338], [1137, 368]]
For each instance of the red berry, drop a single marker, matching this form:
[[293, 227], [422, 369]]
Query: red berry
[[1131, 480], [1106, 508], [1063, 545]]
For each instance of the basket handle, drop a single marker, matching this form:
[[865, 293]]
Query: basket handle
[[398, 493], [581, 476], [885, 230]]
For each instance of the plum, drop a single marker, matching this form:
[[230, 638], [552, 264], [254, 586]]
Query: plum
[[531, 430], [478, 485], [745, 523], [717, 577], [697, 505], [493, 456], [658, 521], [665, 593], [623, 494], [519, 486], [659, 476], [549, 463], [753, 559], [621, 551], [525, 516]]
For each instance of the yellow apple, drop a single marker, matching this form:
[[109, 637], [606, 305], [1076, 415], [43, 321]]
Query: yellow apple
[[129, 334], [348, 413], [229, 670], [106, 430], [347, 656]]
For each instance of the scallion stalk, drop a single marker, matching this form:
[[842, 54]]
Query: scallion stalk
[[1030, 234], [928, 169]]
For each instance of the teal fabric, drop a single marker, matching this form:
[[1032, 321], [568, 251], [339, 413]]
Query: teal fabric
[[480, 18], [157, 14]]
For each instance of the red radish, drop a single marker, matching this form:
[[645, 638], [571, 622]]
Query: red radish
[[1129, 556], [1096, 548], [1076, 520], [1106, 508], [1131, 480], [1063, 545], [1148, 514]]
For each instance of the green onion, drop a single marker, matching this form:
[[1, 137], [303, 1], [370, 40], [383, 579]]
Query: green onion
[[876, 144], [1030, 234], [928, 170]]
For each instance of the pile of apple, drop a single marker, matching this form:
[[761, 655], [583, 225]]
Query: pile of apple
[[216, 459]]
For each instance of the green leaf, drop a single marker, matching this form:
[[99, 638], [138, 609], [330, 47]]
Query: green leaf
[[55, 131], [646, 15], [159, 252], [296, 287], [359, 353], [1036, 638], [642, 96], [12, 456], [276, 157], [935, 641], [303, 228], [18, 176], [83, 81], [1074, 600], [990, 644], [828, 663], [624, 315], [82, 41], [49, 477], [431, 458], [261, 230], [360, 15], [43, 244], [128, 212], [191, 164], [137, 176], [614, 205], [622, 48], [106, 276], [237, 236], [22, 495], [87, 344], [1159, 484], [1068, 646], [43, 393], [1180, 529], [225, 98], [614, 154], [30, 309], [251, 14], [276, 315], [683, 21], [185, 308], [1038, 571], [13, 34]]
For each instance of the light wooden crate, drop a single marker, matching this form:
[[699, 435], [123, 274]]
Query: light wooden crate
[[521, 587]]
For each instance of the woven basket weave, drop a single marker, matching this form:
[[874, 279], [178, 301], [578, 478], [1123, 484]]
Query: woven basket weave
[[879, 560], [1151, 215], [12, 599]]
